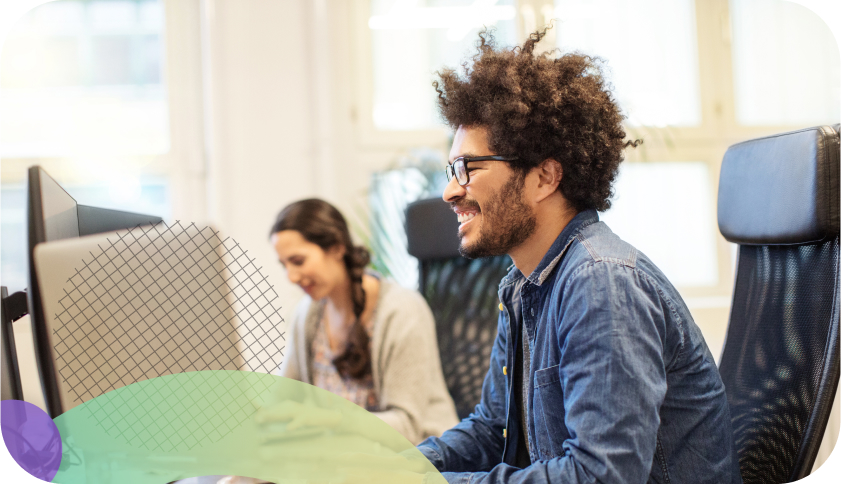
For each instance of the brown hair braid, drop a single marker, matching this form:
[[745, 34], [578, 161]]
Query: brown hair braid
[[323, 225]]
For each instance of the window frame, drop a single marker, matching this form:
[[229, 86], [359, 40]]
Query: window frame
[[706, 142], [183, 166]]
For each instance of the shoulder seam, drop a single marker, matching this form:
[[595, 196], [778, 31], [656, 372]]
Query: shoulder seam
[[631, 261], [662, 295]]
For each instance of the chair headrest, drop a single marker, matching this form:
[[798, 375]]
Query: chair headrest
[[781, 189], [432, 229]]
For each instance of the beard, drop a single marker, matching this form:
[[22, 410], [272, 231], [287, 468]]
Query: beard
[[507, 221]]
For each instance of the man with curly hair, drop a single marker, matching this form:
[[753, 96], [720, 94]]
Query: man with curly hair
[[598, 372]]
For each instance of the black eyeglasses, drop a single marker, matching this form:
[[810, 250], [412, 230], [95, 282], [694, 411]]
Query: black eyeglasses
[[458, 168]]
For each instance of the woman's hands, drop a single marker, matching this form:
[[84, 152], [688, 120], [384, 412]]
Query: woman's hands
[[298, 416], [380, 469], [374, 463]]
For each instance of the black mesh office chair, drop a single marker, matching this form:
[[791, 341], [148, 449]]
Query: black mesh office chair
[[462, 294], [779, 200]]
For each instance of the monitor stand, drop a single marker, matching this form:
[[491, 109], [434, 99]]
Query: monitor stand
[[12, 308]]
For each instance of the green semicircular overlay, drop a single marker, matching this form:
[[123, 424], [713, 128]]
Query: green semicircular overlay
[[231, 423]]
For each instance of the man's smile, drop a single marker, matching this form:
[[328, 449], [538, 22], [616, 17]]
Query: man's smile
[[465, 215]]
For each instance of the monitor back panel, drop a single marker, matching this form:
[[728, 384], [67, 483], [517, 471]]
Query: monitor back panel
[[132, 305]]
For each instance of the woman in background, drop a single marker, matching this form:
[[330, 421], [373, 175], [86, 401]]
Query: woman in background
[[356, 334]]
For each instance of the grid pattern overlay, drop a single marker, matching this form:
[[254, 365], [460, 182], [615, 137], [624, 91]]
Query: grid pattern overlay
[[180, 412], [158, 300]]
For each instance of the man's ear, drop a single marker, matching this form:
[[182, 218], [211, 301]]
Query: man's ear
[[549, 175]]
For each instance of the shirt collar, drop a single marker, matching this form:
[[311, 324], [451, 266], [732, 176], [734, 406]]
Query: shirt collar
[[556, 251]]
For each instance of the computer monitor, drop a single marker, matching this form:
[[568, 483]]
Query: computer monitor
[[52, 215]]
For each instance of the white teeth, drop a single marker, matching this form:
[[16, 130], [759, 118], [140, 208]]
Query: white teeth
[[465, 217]]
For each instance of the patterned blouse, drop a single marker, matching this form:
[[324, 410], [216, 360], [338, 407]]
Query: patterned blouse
[[326, 376]]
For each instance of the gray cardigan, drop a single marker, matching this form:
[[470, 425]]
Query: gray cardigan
[[404, 358]]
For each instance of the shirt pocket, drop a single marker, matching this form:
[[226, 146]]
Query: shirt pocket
[[549, 410], [547, 376]]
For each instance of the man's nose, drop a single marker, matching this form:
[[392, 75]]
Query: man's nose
[[453, 191]]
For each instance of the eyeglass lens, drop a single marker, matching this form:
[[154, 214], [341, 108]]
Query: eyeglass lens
[[460, 171]]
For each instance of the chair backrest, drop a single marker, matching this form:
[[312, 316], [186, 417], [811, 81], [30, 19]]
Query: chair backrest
[[779, 200], [462, 294]]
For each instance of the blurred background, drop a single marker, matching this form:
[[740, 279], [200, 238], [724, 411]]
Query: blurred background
[[222, 111]]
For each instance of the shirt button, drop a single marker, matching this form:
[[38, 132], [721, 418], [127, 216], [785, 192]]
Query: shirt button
[[504, 433], [501, 307], [505, 370]]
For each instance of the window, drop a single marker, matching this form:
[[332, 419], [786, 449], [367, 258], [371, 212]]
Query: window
[[692, 77], [85, 78], [410, 40], [785, 65], [665, 209], [83, 93], [650, 49]]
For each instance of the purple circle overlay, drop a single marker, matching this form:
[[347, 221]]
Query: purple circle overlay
[[31, 437]]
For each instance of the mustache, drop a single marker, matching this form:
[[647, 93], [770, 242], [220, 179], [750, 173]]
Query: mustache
[[465, 204]]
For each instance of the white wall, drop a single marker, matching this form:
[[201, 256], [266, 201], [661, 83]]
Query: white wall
[[281, 124], [260, 129]]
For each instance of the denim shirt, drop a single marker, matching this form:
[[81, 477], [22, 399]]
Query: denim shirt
[[622, 387]]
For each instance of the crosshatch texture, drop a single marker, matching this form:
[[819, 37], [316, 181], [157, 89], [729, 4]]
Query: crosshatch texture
[[265, 449], [160, 300], [179, 414]]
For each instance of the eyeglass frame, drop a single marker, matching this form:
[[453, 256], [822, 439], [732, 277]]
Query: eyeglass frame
[[450, 169]]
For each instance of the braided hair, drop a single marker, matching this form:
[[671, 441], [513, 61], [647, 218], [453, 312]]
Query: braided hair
[[323, 225]]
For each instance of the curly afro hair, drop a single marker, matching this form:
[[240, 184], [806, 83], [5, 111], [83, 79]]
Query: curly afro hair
[[537, 107]]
